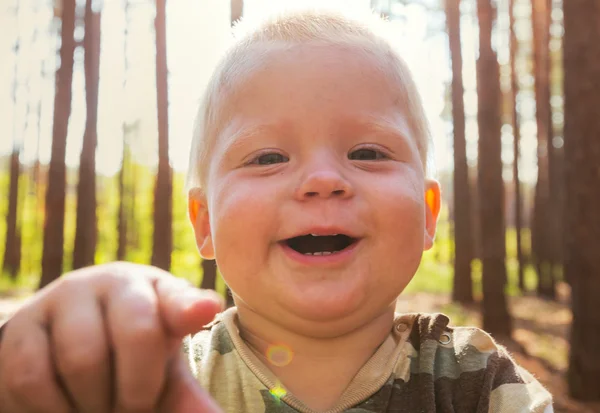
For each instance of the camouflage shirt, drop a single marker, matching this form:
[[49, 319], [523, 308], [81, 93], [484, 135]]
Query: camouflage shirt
[[423, 366]]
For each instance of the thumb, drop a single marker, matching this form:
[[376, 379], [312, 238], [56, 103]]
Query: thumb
[[183, 394], [186, 309]]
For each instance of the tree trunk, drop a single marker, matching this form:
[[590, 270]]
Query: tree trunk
[[496, 318], [542, 235], [582, 157], [12, 248], [237, 10], [52, 256], [462, 289], [163, 191], [86, 232], [133, 234], [209, 275], [122, 215], [514, 81], [125, 214], [555, 174], [122, 211], [36, 179], [229, 298], [12, 245]]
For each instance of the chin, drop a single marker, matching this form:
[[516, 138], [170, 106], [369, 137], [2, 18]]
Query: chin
[[325, 306], [331, 319]]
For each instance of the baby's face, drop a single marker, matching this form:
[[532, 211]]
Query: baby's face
[[317, 143]]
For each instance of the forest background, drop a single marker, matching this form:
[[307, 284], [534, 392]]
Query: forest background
[[98, 98]]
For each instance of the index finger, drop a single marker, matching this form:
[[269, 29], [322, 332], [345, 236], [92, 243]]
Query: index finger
[[185, 309], [183, 394]]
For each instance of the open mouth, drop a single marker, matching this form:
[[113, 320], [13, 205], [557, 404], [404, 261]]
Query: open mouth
[[320, 244]]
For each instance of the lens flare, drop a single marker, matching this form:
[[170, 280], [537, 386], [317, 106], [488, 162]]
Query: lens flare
[[279, 355], [278, 392]]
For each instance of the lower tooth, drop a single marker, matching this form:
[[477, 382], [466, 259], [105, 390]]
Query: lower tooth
[[326, 253], [318, 253]]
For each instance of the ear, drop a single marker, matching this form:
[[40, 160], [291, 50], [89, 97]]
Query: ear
[[199, 217], [433, 200]]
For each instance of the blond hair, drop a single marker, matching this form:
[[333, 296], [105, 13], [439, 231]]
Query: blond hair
[[367, 32]]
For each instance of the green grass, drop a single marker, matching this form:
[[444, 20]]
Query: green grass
[[431, 277]]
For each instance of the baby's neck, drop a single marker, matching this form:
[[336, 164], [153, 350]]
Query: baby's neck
[[320, 368]]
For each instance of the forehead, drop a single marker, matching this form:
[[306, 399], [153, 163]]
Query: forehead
[[300, 80]]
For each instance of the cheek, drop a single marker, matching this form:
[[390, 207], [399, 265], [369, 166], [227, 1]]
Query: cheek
[[401, 242], [405, 225], [401, 217], [241, 222]]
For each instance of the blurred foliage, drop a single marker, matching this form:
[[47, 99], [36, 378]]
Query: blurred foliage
[[436, 270], [186, 260]]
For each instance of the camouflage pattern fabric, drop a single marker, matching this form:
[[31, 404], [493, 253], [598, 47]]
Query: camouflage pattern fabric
[[424, 366]]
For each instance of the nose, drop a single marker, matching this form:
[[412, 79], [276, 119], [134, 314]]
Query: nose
[[324, 183]]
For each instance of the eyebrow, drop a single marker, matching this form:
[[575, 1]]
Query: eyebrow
[[384, 126], [243, 136], [386, 129]]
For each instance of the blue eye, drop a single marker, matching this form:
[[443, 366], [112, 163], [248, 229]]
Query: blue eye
[[270, 159], [366, 154]]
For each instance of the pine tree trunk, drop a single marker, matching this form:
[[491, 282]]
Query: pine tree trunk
[[121, 222], [462, 290], [36, 178], [133, 235], [237, 10], [542, 236], [12, 245], [122, 214], [514, 80], [125, 197], [52, 256], [163, 191], [229, 299], [582, 157], [86, 232], [554, 170], [209, 275], [496, 318]]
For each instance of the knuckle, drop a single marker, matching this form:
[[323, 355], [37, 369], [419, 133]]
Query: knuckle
[[116, 268], [111, 273], [120, 274], [143, 329], [71, 283]]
